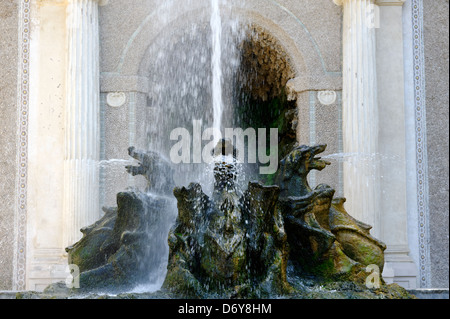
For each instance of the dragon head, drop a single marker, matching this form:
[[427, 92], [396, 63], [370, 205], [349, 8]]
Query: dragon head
[[304, 158]]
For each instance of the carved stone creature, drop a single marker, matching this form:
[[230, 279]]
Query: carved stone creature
[[227, 246], [323, 238], [121, 249], [157, 171], [354, 236], [295, 167]]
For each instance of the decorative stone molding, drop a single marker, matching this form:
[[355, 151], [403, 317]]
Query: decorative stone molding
[[47, 265], [399, 264], [20, 231], [298, 85], [81, 180], [421, 144]]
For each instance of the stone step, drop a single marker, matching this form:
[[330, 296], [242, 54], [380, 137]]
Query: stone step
[[433, 293]]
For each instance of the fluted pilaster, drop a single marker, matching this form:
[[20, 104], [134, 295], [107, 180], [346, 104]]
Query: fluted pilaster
[[81, 201], [360, 110]]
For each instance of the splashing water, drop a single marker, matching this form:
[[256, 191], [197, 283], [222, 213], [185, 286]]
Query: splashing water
[[191, 65], [216, 28]]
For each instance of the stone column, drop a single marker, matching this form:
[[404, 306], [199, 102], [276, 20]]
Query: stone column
[[82, 141], [360, 112]]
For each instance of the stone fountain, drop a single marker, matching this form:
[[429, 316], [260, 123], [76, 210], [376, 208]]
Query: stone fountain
[[324, 239], [227, 245], [278, 241], [120, 249]]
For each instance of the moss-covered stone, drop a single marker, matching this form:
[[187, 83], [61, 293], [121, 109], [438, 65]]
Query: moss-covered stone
[[324, 239], [119, 257], [120, 250], [229, 246]]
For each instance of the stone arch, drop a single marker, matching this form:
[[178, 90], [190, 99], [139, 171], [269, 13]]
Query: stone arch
[[284, 26], [310, 72]]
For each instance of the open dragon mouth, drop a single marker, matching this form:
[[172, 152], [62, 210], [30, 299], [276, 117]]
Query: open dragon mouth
[[317, 162]]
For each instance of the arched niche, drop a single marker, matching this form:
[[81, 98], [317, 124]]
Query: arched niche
[[290, 38], [282, 24]]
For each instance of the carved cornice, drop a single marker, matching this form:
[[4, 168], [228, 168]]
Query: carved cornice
[[300, 84]]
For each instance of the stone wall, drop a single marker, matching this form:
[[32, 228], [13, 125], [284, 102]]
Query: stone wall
[[8, 136], [436, 26]]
